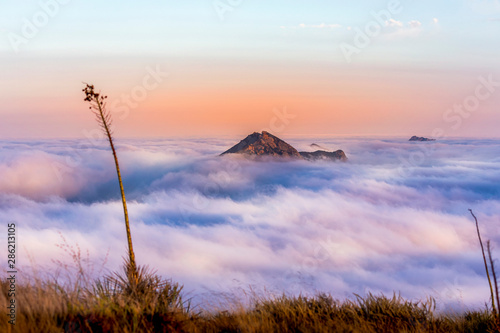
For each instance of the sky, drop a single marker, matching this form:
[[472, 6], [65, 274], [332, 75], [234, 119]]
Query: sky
[[393, 218], [220, 67]]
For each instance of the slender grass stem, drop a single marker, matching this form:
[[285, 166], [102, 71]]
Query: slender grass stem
[[485, 264], [98, 105], [492, 265]]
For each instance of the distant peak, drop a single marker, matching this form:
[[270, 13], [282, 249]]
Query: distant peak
[[420, 138], [266, 144], [263, 144], [316, 146]]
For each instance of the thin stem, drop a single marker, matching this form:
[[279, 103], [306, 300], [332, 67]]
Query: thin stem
[[492, 265], [485, 263], [104, 123]]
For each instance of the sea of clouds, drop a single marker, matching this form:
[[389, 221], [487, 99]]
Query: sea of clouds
[[394, 218]]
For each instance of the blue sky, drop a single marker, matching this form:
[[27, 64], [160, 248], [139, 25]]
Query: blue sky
[[149, 27], [277, 51]]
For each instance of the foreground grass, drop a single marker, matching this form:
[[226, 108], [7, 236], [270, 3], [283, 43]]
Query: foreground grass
[[151, 304]]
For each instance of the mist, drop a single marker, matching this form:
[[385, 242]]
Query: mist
[[393, 218]]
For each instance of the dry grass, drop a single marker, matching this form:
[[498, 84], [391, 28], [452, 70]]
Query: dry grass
[[70, 300], [114, 304]]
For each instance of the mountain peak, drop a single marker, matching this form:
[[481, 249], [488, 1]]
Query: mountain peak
[[420, 138], [263, 144], [260, 144]]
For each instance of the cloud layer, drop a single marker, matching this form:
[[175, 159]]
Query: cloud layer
[[393, 218]]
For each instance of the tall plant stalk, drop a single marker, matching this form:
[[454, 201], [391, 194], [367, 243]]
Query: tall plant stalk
[[492, 265], [103, 117], [485, 264]]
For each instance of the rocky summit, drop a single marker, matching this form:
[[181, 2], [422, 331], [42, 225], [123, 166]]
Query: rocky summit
[[420, 138], [263, 144], [317, 147], [324, 155], [266, 144]]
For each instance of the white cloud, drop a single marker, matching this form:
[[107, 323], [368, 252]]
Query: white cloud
[[218, 224], [318, 26], [398, 29], [394, 23], [323, 26], [414, 24]]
